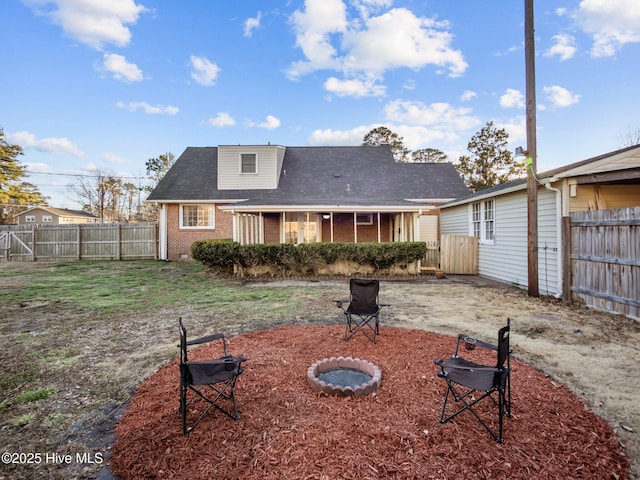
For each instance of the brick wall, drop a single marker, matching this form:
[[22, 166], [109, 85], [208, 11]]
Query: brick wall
[[179, 240]]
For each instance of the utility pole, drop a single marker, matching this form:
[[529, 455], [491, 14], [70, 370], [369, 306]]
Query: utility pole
[[532, 154]]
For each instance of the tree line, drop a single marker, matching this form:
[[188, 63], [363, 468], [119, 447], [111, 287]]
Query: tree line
[[109, 197]]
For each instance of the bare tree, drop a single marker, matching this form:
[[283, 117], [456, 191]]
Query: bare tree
[[631, 138], [102, 194]]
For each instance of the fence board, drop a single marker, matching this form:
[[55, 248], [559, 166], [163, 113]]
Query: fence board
[[459, 254], [605, 259], [79, 242]]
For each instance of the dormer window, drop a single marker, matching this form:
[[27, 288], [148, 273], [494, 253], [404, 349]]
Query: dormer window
[[248, 163]]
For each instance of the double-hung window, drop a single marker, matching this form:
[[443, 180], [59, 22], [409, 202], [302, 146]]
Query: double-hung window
[[483, 220], [197, 216], [248, 163]]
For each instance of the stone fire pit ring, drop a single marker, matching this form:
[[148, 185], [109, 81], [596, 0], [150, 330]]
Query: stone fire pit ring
[[367, 376]]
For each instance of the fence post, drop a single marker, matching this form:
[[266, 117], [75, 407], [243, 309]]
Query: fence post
[[79, 244], [33, 243], [118, 241], [566, 260]]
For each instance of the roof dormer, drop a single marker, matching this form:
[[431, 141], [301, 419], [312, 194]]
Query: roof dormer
[[249, 167]]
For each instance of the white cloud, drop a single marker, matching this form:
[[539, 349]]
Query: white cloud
[[468, 95], [313, 28], [149, 109], [420, 125], [414, 136], [564, 48], [112, 158], [516, 128], [611, 23], [440, 115], [560, 96], [370, 44], [251, 24], [93, 22], [339, 137], [46, 145], [354, 88], [399, 39], [37, 167], [270, 123], [512, 99], [222, 119], [204, 71], [121, 70]]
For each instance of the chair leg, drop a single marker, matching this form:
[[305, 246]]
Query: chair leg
[[458, 397]]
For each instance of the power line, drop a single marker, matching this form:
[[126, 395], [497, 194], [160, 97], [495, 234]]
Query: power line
[[83, 175]]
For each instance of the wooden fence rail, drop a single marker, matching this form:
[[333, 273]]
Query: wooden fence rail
[[604, 260], [132, 241]]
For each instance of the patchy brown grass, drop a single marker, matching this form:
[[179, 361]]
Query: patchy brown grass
[[94, 361]]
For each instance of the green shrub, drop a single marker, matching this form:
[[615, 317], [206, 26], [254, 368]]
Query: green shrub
[[216, 254], [286, 259]]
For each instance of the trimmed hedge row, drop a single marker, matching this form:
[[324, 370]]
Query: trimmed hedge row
[[224, 255]]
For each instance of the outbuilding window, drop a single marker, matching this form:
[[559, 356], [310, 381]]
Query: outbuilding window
[[483, 220]]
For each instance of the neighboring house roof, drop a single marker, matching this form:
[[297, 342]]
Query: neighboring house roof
[[318, 176], [618, 166], [60, 212]]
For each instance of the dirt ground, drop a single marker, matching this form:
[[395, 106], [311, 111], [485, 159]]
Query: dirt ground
[[596, 355]]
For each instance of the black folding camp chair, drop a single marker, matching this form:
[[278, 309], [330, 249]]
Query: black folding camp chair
[[207, 383], [470, 383], [363, 310]]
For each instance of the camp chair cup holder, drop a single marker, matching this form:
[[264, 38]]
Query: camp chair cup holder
[[469, 343]]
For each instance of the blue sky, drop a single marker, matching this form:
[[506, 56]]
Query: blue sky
[[94, 84]]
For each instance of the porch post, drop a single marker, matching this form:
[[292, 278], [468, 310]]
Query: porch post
[[379, 237], [260, 228], [355, 227], [331, 225]]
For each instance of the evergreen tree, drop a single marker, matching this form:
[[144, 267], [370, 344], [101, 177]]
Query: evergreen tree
[[491, 163]]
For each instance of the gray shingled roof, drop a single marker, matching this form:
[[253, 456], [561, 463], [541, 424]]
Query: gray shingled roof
[[318, 175]]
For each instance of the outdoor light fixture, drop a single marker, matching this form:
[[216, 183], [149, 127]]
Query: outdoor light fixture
[[520, 154], [326, 216]]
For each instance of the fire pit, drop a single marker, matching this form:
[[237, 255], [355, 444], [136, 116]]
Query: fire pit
[[344, 376]]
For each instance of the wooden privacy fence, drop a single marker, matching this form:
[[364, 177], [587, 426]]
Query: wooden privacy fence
[[459, 254], [131, 241], [603, 265]]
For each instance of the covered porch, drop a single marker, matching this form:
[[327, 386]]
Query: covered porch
[[331, 224]]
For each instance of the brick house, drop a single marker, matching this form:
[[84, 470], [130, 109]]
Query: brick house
[[276, 194]]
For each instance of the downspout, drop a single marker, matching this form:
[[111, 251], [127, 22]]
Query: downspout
[[559, 261], [162, 232]]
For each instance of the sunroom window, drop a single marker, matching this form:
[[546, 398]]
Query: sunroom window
[[301, 228]]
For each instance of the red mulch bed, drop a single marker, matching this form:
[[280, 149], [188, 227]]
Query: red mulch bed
[[289, 431]]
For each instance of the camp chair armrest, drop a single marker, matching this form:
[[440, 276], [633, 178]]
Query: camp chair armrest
[[340, 303], [207, 339], [463, 337]]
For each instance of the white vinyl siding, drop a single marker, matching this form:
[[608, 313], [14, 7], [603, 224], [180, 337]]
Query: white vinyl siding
[[455, 220], [235, 174], [506, 259]]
